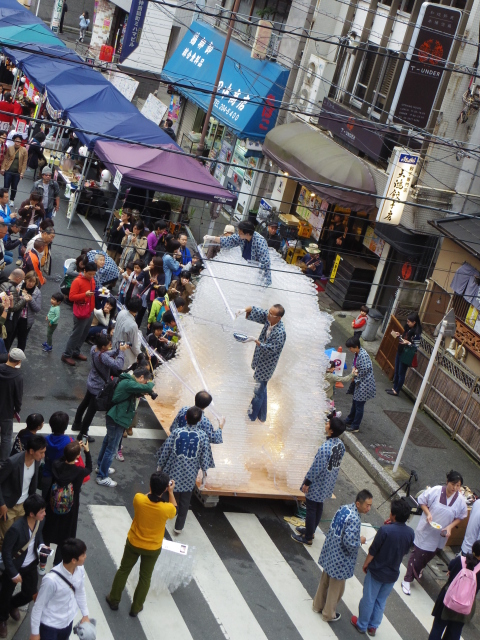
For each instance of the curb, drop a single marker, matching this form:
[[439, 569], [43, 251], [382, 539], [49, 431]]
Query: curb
[[371, 466]]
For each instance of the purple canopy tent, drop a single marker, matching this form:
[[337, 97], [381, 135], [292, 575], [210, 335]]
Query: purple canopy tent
[[161, 170]]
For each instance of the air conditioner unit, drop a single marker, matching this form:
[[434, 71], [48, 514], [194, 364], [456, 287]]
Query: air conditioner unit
[[307, 100]]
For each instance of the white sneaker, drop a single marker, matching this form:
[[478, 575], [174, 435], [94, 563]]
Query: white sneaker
[[11, 203], [106, 482], [111, 470], [177, 531], [406, 588]]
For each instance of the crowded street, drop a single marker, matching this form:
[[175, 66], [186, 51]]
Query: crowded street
[[239, 349]]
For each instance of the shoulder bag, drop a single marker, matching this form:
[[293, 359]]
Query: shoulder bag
[[104, 400]]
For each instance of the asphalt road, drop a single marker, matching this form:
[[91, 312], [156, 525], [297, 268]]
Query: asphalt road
[[250, 580]]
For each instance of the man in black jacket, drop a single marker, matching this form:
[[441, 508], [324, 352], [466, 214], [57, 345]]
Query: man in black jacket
[[18, 480], [11, 396], [20, 556], [11, 286]]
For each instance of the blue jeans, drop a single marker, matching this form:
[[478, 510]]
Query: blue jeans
[[355, 416], [372, 604], [2, 346], [49, 214], [109, 447], [8, 257], [258, 406], [400, 373], [10, 181]]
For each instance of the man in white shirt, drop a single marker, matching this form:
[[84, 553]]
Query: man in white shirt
[[62, 592], [472, 534], [20, 548]]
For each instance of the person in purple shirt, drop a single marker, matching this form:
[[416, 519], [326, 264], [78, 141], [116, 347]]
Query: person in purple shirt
[[154, 238]]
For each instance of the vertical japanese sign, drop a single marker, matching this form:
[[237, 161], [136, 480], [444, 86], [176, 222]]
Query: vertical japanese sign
[[56, 15], [398, 187], [427, 57], [133, 32]]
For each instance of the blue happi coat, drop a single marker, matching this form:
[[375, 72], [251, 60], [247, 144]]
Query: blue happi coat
[[365, 381], [323, 474], [265, 357], [214, 435], [184, 453], [340, 549], [260, 251]]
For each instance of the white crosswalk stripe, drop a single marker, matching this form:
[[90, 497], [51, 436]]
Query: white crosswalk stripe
[[99, 432], [113, 524], [217, 585]]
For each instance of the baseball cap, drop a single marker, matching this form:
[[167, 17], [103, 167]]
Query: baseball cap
[[229, 228], [17, 355]]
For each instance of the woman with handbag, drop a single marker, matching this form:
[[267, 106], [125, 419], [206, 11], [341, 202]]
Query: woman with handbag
[[104, 359], [134, 244], [408, 343]]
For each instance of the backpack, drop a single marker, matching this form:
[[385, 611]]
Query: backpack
[[104, 400], [61, 498], [461, 593]]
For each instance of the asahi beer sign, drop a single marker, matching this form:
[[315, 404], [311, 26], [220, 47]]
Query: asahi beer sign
[[427, 57], [398, 187]]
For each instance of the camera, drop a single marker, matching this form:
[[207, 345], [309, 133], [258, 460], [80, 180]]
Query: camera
[[154, 395], [85, 440], [129, 344]]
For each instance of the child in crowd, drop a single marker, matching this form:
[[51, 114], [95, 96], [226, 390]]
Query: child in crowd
[[136, 283], [127, 276], [34, 423], [157, 342], [360, 322], [52, 319], [159, 306]]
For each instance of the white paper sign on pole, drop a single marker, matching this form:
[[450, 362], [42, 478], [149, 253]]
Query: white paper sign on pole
[[398, 187], [339, 359], [124, 83], [176, 547], [154, 109], [117, 180]]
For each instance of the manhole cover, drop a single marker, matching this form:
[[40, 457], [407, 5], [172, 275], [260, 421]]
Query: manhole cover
[[419, 435]]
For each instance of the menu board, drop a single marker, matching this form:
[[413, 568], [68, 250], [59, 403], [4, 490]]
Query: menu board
[[125, 84], [312, 208], [373, 242], [154, 109]]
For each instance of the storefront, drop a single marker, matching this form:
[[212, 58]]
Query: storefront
[[243, 113]]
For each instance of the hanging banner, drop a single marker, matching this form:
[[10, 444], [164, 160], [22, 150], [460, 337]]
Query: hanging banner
[[398, 187], [426, 61], [56, 15], [133, 32]]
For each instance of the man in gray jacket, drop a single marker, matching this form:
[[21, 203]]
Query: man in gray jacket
[[126, 330]]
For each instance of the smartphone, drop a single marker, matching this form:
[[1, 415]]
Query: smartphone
[[85, 440]]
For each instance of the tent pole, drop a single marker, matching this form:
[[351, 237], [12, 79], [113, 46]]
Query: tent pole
[[88, 159], [110, 220]]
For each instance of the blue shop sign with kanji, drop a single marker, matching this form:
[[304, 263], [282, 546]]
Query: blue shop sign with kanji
[[250, 91]]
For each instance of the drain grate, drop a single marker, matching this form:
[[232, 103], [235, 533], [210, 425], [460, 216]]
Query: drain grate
[[419, 435]]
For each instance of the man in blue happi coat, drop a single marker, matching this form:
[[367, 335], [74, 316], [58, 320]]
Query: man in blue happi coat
[[320, 480], [202, 400], [254, 247], [267, 353]]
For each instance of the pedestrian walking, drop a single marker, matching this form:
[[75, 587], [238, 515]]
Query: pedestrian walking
[[364, 384], [408, 343], [14, 165], [104, 360], [144, 540], [339, 555], [267, 353], [202, 400], [62, 17], [63, 498], [20, 559], [11, 397], [120, 417], [444, 507], [382, 567], [472, 534], [183, 454], [18, 480], [53, 316], [82, 294], [61, 594], [320, 479], [448, 622], [50, 192], [84, 22]]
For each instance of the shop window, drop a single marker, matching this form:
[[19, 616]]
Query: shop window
[[407, 6], [384, 82], [365, 72]]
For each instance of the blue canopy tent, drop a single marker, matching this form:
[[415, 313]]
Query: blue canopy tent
[[250, 90], [21, 34], [12, 13]]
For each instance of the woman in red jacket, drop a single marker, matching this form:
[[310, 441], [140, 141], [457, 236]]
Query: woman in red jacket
[[82, 294]]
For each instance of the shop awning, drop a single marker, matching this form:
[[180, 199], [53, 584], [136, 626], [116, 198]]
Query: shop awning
[[250, 90], [307, 154], [464, 230], [20, 34], [161, 170], [12, 14]]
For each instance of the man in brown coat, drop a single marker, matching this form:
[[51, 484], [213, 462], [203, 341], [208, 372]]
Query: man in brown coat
[[14, 165]]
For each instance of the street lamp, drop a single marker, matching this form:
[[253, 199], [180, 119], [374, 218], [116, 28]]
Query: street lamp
[[445, 328]]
